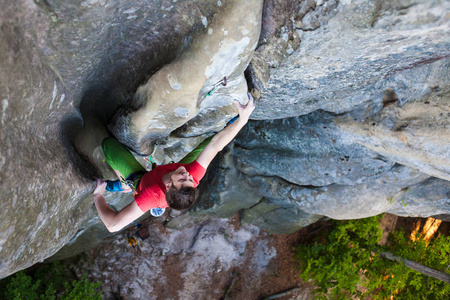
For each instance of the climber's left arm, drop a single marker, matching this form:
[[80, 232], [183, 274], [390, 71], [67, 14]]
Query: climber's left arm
[[114, 221]]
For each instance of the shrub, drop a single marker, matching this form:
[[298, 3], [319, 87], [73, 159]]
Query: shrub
[[49, 283], [348, 261], [22, 287], [80, 290]]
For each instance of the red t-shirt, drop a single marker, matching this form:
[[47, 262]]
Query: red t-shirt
[[151, 191]]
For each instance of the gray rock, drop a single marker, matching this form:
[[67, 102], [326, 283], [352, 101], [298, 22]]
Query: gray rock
[[341, 201], [68, 67], [43, 181], [307, 151], [176, 93], [428, 198], [359, 50], [276, 218], [356, 201], [416, 134], [309, 161]]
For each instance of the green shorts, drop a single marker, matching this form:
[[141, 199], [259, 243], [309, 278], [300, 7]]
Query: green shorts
[[120, 158], [196, 152]]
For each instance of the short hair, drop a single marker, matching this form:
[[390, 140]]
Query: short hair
[[181, 199]]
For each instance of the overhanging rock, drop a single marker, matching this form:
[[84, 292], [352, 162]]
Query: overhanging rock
[[175, 94]]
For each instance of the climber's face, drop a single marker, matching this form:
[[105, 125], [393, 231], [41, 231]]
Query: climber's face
[[181, 178]]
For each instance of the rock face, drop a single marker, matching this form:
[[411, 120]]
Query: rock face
[[66, 68], [364, 103], [176, 93], [350, 53], [207, 261], [352, 117], [43, 181]]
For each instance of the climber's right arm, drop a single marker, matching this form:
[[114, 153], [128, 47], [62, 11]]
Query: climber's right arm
[[114, 221], [224, 137]]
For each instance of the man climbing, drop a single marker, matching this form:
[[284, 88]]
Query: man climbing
[[172, 185]]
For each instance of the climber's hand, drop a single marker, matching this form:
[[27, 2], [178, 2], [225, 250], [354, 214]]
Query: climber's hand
[[246, 110], [100, 188]]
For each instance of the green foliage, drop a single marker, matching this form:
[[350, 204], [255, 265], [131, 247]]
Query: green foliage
[[347, 262], [337, 263], [434, 254], [80, 290], [22, 287], [52, 274], [49, 283]]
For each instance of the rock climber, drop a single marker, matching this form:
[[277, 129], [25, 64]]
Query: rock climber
[[172, 185]]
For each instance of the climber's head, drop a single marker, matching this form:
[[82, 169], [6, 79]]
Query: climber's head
[[180, 178], [180, 190]]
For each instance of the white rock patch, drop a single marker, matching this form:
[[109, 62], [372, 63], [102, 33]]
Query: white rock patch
[[182, 112], [4, 107], [204, 21], [173, 81]]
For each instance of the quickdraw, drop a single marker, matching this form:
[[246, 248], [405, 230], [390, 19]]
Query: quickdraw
[[150, 160], [222, 82]]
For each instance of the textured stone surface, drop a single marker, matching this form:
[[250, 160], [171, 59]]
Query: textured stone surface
[[183, 264], [351, 121], [340, 196], [278, 218], [43, 182], [416, 134], [176, 93], [308, 151], [428, 198], [65, 69], [350, 53]]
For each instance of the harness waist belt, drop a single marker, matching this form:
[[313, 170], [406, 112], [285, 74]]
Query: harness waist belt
[[134, 176], [134, 179]]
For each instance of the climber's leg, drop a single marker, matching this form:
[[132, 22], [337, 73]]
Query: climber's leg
[[121, 161], [191, 156]]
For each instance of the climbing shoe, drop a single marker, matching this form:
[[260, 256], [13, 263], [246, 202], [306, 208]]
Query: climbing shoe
[[114, 186]]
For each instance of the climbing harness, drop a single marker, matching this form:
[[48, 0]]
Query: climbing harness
[[131, 179], [222, 82], [129, 183]]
